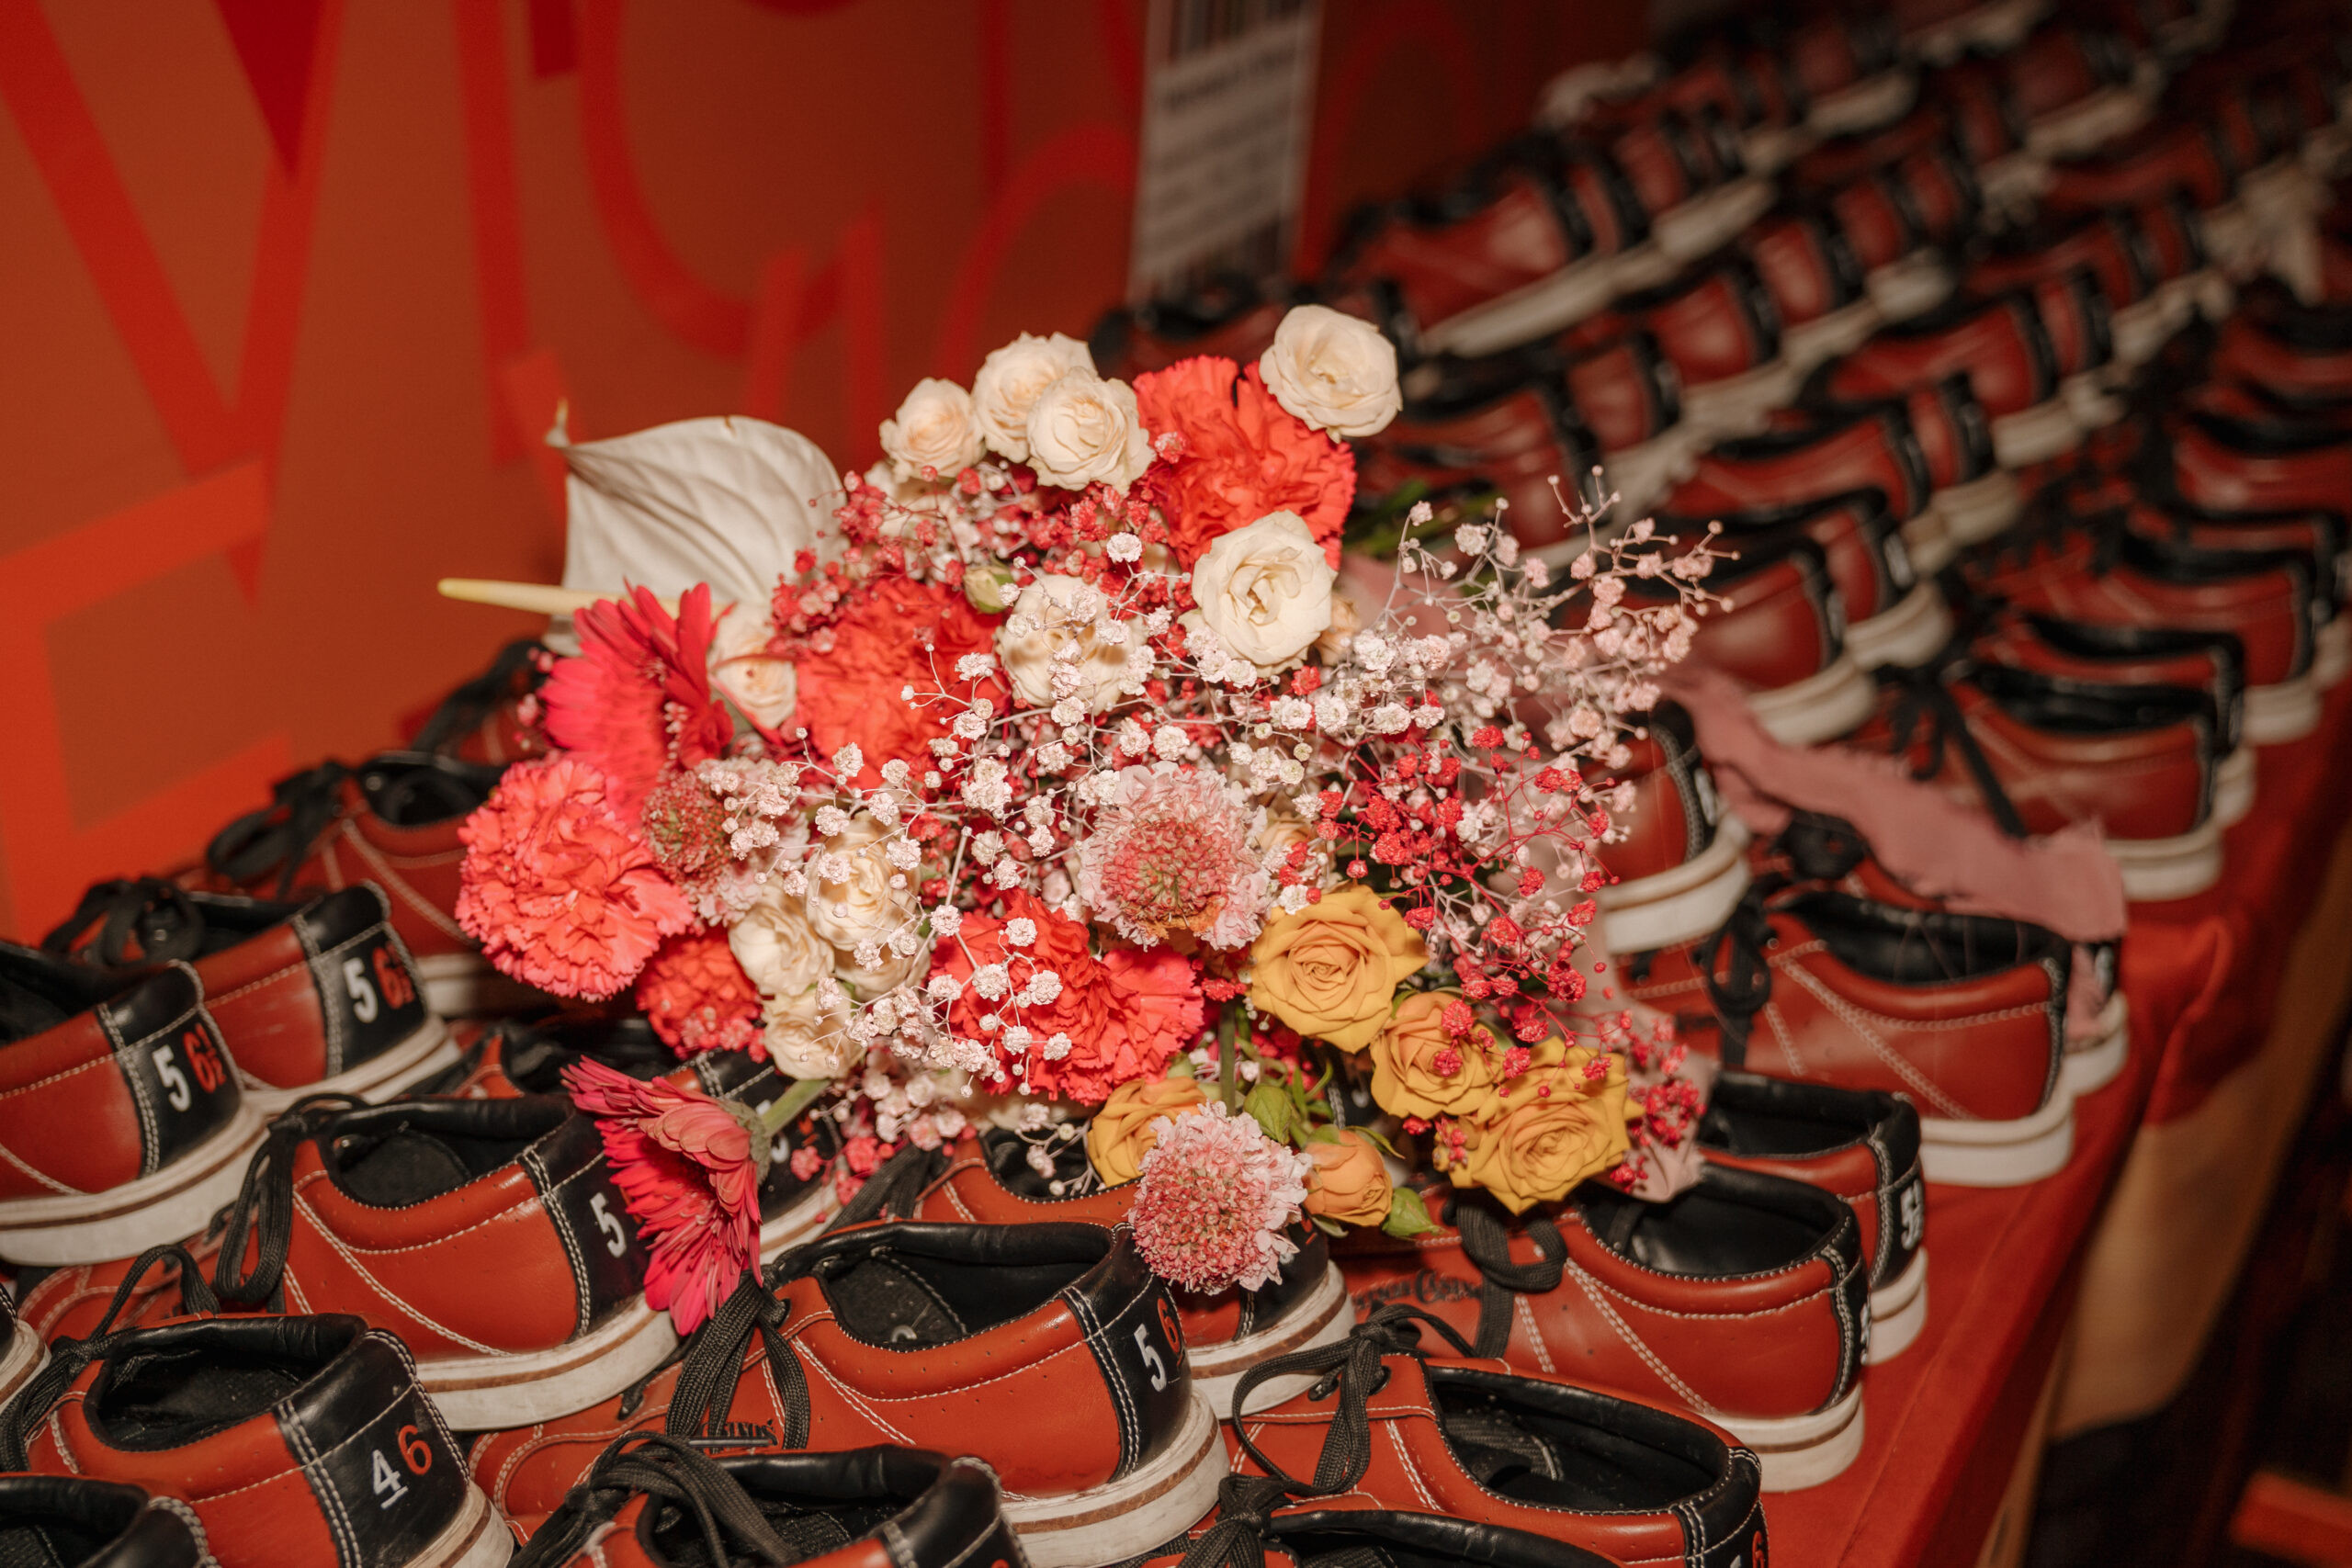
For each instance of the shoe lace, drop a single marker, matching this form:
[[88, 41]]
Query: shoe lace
[[892, 1191], [1486, 1241], [1238, 1539], [278, 836], [1738, 993], [1923, 699], [1353, 1367], [653, 1464], [159, 915], [263, 1207], [510, 674], [710, 1362], [69, 1357]]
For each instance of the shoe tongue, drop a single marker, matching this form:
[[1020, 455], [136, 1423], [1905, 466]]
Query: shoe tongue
[[808, 1534], [407, 1166], [1490, 1442]]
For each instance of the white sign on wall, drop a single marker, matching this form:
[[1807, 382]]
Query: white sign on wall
[[1228, 99]]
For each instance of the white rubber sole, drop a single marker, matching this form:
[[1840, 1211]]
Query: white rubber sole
[[2035, 435], [1640, 475], [459, 984], [1958, 1153], [2142, 328], [2286, 711], [1822, 706], [1741, 404], [2101, 118], [478, 1537], [170, 1204], [1125, 1518], [1807, 343], [381, 1077], [2234, 785], [2156, 870], [1323, 1318], [802, 1222], [1528, 312], [486, 1392], [1768, 149], [2332, 651], [1899, 1311], [1912, 632], [1995, 30], [1868, 104], [1910, 285], [2093, 1065], [1685, 233], [25, 1355], [1798, 1451], [1929, 538], [1979, 509], [2089, 402], [1681, 905]]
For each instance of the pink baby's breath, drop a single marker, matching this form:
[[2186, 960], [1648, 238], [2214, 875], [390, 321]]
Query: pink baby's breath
[[1214, 1198]]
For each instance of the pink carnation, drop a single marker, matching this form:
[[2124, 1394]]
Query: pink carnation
[[557, 889], [1171, 854], [1212, 1201]]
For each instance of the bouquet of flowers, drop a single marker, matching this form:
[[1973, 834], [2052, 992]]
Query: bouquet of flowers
[[1076, 776]]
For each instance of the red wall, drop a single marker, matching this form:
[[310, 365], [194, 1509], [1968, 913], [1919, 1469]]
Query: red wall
[[281, 280]]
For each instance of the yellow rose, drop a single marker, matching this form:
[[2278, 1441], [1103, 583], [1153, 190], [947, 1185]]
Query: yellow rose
[[1552, 1128], [1350, 1186], [1121, 1134], [1417, 1069], [1333, 968]]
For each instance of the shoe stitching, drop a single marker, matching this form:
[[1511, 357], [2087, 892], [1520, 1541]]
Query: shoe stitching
[[329, 1501], [1526, 1315], [330, 1015], [312, 1179], [857, 1403], [119, 1053], [815, 1318], [186, 1515], [1412, 1471], [377, 860], [150, 1151], [1096, 1338], [408, 1361], [1863, 1025], [1634, 1341], [400, 1302], [537, 1167], [9, 1155], [1774, 1016]]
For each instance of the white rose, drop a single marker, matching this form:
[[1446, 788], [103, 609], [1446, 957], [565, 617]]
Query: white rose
[[763, 686], [933, 429], [780, 953], [1059, 623], [810, 1046], [1265, 591], [1009, 380], [861, 907], [890, 970], [1083, 429], [1333, 371]]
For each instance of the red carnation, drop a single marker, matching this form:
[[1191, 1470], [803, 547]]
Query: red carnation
[[894, 633], [1244, 455], [697, 997]]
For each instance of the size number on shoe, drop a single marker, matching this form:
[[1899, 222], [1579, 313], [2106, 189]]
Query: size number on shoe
[[416, 1457], [372, 994], [184, 1085]]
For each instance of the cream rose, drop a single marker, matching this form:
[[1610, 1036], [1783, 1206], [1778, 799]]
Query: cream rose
[[1333, 371], [763, 686], [1265, 591], [933, 429], [781, 954], [811, 1046], [858, 906], [1083, 429], [1059, 642], [1011, 379]]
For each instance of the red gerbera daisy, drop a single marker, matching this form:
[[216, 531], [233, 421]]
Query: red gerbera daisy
[[638, 696]]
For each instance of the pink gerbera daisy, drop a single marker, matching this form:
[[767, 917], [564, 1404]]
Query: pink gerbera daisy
[[685, 1165]]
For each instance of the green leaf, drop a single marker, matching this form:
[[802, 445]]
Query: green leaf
[[1407, 1215], [1272, 1107], [1323, 1133], [1328, 1226]]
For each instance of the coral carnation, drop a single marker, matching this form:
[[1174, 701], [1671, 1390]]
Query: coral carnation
[[697, 997], [684, 1163], [896, 633], [1108, 1021], [1213, 1200], [1244, 455], [638, 696], [557, 889]]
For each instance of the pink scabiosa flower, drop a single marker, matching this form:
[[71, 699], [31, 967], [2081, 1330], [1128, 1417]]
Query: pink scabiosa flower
[[1171, 851], [685, 1164], [1215, 1196], [697, 997], [638, 696], [557, 889]]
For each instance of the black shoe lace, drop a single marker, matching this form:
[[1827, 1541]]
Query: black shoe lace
[[511, 675], [1739, 991], [158, 915], [651, 1464], [1486, 1241], [1353, 1369], [1922, 699], [1238, 1539], [710, 1364], [263, 1208], [278, 836], [69, 1357], [892, 1191]]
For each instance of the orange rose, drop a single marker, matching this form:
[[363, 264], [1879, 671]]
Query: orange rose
[[1333, 968], [1554, 1127], [1417, 1069], [1121, 1134], [1350, 1186]]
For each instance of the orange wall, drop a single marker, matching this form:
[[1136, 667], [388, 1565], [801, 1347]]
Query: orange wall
[[281, 280]]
